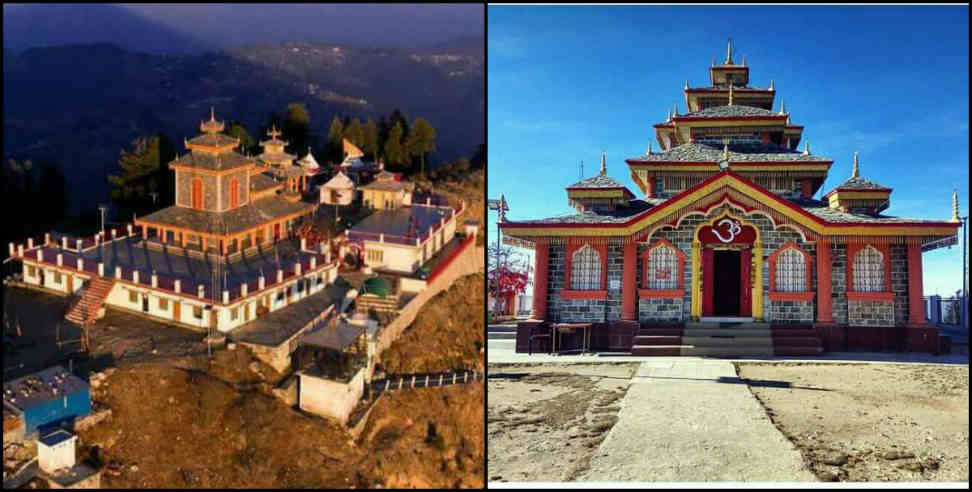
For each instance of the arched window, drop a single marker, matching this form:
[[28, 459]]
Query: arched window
[[585, 269], [869, 270], [234, 193], [196, 194], [662, 271], [791, 271]]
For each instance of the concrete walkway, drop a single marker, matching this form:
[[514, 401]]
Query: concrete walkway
[[693, 421]]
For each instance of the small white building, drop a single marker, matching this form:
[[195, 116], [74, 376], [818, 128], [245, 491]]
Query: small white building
[[56, 451], [338, 191]]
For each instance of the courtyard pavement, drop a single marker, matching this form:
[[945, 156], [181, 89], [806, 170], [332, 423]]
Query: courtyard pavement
[[692, 418]]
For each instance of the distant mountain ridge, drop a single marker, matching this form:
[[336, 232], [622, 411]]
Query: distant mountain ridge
[[80, 104]]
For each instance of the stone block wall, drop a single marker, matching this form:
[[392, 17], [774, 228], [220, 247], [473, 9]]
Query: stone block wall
[[790, 311], [583, 310], [666, 310], [899, 282], [838, 283], [870, 313], [184, 189]]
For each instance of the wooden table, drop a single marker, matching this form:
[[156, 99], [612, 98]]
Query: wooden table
[[585, 339]]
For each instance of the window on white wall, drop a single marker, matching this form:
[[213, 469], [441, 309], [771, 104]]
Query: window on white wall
[[791, 271], [585, 269], [662, 268], [869, 270]]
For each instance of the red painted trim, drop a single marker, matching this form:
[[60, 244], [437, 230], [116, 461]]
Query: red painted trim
[[677, 119], [661, 294], [791, 296], [870, 296], [629, 309], [824, 302], [806, 188], [679, 255], [711, 90], [835, 190], [730, 67], [638, 163], [540, 268], [745, 284], [575, 244], [767, 196], [916, 308], [583, 294], [775, 256], [455, 254], [852, 250]]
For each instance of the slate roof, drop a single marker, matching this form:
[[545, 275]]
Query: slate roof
[[276, 327], [276, 157], [724, 111], [698, 152], [214, 140], [822, 210], [617, 216], [260, 182], [395, 222], [385, 185], [340, 181], [201, 160], [860, 183], [597, 181], [239, 219]]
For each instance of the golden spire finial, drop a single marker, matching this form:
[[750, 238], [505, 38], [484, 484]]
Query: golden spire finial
[[273, 132], [730, 93], [686, 84], [212, 113], [782, 106], [771, 85], [806, 147], [855, 173], [603, 163], [955, 212], [744, 60], [728, 53]]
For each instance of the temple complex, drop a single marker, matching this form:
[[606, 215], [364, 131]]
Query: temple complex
[[725, 250]]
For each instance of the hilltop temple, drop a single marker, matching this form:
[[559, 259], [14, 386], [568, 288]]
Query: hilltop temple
[[726, 250], [226, 202]]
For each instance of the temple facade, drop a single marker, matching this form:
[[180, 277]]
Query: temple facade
[[726, 230]]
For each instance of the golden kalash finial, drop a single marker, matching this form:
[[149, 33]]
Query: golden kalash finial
[[211, 126], [955, 217], [730, 93], [771, 85], [856, 171], [603, 163], [806, 147], [725, 148], [729, 53], [782, 106], [273, 132]]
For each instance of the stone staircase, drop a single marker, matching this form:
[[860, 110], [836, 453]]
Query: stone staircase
[[89, 304], [725, 339]]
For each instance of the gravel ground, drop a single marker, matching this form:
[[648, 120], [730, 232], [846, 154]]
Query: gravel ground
[[544, 422], [875, 422]]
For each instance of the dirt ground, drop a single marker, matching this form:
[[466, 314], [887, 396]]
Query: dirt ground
[[544, 422], [447, 333], [871, 422]]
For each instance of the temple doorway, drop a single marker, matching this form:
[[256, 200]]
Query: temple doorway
[[726, 282]]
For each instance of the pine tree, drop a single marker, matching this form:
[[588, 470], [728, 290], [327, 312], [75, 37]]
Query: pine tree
[[334, 134], [354, 132], [394, 152], [421, 141], [296, 126], [369, 142], [137, 175]]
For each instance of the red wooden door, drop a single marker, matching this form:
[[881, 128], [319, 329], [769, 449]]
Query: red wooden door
[[708, 279], [196, 194], [745, 285], [276, 231]]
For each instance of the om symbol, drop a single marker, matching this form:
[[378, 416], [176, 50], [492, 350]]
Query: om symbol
[[734, 229]]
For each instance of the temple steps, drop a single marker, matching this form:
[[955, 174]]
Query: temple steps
[[86, 310], [501, 332], [726, 339]]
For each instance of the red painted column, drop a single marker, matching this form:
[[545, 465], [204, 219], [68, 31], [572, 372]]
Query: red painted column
[[651, 188], [916, 309], [629, 304], [541, 258], [824, 301], [745, 284], [806, 189]]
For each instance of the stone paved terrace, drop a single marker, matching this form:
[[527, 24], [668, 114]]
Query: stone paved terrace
[[131, 254], [275, 327]]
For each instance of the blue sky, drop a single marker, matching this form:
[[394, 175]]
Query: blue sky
[[566, 83]]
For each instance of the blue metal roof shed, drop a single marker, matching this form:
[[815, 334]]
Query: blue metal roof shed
[[47, 397]]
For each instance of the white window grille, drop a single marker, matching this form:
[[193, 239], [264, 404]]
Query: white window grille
[[662, 268], [585, 269], [869, 270], [791, 271]]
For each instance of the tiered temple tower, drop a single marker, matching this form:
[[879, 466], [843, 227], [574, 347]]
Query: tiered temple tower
[[727, 228]]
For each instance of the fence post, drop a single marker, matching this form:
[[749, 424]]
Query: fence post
[[453, 378], [101, 269], [30, 243], [935, 309], [118, 272], [413, 380], [13, 249], [80, 264], [279, 275], [114, 233], [243, 289], [313, 263], [47, 238], [387, 382], [178, 286], [135, 276], [155, 280], [201, 292], [40, 254], [79, 245], [20, 250], [225, 297], [440, 379], [129, 229], [60, 259], [261, 283]]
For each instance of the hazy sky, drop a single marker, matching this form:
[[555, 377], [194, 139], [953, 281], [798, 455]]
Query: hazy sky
[[223, 25], [566, 83]]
